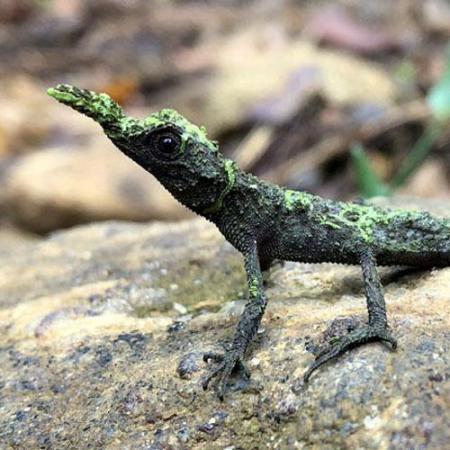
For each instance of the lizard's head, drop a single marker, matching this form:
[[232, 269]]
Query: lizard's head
[[166, 144]]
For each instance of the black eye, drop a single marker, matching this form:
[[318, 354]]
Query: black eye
[[163, 143], [167, 144]]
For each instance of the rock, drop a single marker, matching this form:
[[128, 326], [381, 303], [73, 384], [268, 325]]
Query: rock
[[59, 170], [61, 187], [419, 184], [30, 119], [12, 238], [435, 16], [25, 119], [94, 355]]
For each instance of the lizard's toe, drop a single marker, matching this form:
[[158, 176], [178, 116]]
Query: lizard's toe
[[386, 337], [207, 378], [227, 363], [211, 356], [358, 337], [243, 369]]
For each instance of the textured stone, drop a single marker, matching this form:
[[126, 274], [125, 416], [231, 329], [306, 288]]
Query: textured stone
[[95, 352], [11, 239]]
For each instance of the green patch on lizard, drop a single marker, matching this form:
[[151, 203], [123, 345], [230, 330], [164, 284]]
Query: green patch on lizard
[[105, 111], [295, 199], [231, 170]]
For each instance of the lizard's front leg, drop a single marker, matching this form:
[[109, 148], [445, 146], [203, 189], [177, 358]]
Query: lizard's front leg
[[245, 330], [377, 328]]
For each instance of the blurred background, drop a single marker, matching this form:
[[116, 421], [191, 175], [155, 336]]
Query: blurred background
[[345, 99]]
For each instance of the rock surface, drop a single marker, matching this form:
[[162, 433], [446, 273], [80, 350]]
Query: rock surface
[[11, 239], [102, 329], [61, 187], [57, 169]]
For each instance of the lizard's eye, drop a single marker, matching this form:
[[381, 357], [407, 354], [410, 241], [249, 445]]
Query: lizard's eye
[[167, 144], [164, 142]]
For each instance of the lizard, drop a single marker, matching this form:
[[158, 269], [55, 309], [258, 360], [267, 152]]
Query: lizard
[[266, 222]]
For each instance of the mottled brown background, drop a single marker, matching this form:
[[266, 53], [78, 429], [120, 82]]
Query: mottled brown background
[[285, 86]]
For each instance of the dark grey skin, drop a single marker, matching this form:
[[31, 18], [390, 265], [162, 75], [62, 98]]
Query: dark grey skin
[[266, 222]]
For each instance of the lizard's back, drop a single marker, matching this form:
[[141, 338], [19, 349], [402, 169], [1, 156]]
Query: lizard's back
[[335, 230]]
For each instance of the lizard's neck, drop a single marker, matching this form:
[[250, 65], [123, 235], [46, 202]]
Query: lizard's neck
[[203, 193], [245, 198], [230, 176], [199, 187]]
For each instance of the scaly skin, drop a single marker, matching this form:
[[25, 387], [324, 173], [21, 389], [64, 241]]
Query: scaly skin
[[266, 222]]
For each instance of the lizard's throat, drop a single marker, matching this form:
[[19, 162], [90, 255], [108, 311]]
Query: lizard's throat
[[204, 195]]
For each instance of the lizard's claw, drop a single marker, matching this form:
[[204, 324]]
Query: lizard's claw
[[354, 339], [227, 363]]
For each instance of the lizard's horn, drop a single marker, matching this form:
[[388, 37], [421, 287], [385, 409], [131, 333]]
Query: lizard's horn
[[100, 107]]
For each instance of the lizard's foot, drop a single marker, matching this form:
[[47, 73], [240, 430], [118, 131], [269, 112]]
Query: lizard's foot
[[360, 336], [227, 363]]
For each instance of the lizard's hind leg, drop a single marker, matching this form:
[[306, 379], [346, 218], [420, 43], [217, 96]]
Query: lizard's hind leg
[[377, 328]]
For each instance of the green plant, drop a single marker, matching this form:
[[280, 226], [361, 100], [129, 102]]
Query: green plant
[[438, 99]]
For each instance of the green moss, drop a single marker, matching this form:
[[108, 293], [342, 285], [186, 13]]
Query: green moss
[[295, 199], [324, 220], [254, 288], [99, 107], [104, 110], [231, 170], [169, 116], [364, 219]]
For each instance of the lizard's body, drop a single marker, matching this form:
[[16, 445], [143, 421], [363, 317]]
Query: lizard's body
[[297, 226], [267, 222]]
